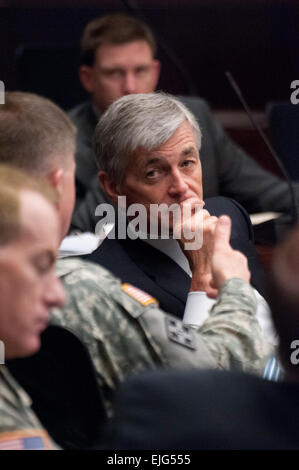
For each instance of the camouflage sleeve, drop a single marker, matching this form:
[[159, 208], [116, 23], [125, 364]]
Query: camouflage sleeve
[[123, 334], [126, 332], [232, 332], [19, 426]]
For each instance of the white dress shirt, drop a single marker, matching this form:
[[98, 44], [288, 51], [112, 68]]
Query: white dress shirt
[[198, 304]]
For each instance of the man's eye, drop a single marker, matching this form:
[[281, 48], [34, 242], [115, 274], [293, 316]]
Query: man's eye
[[152, 174], [42, 268], [114, 73], [141, 70], [43, 264], [188, 163]]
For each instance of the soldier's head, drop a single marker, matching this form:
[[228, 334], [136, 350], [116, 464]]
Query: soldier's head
[[117, 58], [38, 137], [147, 149], [283, 299], [29, 238]]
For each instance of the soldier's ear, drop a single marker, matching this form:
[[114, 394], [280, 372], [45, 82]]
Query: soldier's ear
[[55, 178], [110, 188]]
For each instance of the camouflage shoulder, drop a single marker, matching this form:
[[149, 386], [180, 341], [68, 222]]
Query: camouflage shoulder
[[11, 391], [19, 426], [65, 266]]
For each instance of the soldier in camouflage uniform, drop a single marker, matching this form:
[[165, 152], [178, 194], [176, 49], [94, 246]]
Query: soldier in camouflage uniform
[[126, 332], [29, 234]]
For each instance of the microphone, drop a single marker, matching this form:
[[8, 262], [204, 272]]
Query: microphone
[[281, 224], [132, 7]]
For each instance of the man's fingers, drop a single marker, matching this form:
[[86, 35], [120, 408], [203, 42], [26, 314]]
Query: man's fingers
[[222, 232], [193, 202], [212, 293]]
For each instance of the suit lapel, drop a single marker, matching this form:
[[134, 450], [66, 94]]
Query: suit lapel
[[159, 267]]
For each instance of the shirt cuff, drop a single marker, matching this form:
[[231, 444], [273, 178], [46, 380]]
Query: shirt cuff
[[197, 309]]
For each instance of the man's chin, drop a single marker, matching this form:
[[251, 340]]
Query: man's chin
[[27, 349], [193, 200]]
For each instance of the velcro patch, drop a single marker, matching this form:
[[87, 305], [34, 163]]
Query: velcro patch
[[30, 439], [179, 333], [138, 294]]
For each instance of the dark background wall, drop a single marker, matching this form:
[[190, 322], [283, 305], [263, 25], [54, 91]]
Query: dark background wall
[[258, 41]]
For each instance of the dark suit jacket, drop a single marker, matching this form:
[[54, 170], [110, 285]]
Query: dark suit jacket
[[138, 263], [226, 169], [205, 410]]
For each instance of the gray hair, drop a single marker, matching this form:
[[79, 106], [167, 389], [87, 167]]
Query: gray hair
[[138, 121]]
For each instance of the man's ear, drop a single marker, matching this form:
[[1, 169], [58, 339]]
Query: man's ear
[[157, 70], [55, 178], [86, 75], [112, 189]]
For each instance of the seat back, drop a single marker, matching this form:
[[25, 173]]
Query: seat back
[[284, 131], [61, 382]]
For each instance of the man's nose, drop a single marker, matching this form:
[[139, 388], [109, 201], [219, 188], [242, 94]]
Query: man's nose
[[178, 185], [130, 83], [55, 296]]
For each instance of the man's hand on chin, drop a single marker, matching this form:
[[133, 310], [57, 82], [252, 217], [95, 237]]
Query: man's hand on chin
[[197, 223]]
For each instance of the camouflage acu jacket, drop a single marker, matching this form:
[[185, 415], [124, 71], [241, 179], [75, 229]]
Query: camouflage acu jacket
[[126, 332], [19, 427]]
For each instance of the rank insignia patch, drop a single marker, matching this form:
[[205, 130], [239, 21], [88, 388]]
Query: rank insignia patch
[[138, 294], [179, 333]]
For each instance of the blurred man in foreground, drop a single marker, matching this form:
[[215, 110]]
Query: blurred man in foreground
[[29, 238]]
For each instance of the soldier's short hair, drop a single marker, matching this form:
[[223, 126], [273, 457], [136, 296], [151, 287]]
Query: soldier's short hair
[[12, 182], [115, 29], [145, 120], [34, 133]]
